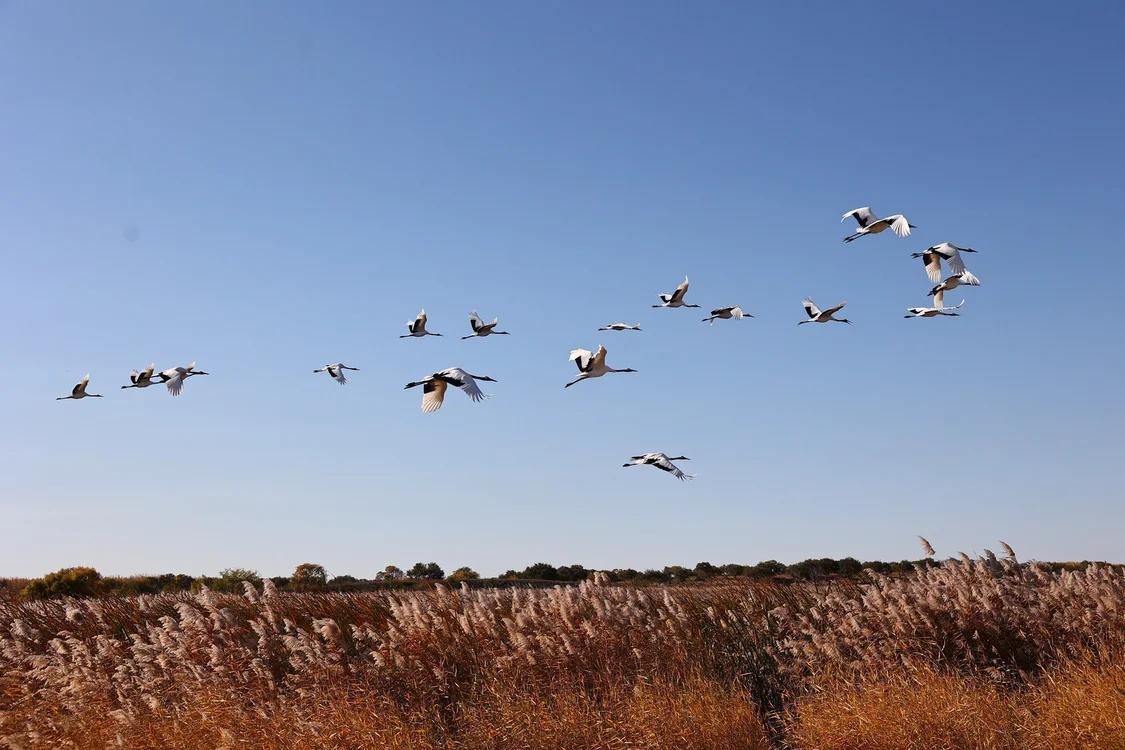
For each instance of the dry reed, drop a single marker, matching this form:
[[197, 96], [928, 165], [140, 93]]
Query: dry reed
[[730, 665]]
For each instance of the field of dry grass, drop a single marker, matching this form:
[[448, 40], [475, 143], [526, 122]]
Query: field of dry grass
[[982, 653]]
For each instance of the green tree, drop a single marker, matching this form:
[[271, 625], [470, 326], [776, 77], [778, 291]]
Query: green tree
[[574, 573], [390, 573], [679, 572], [230, 579], [429, 570], [308, 576], [766, 568], [464, 574], [541, 571], [706, 570], [66, 582]]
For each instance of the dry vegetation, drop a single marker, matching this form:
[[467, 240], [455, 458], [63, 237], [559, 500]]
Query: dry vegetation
[[967, 654]]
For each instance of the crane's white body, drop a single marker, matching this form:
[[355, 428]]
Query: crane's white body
[[621, 327], [932, 312], [663, 462], [816, 315], [79, 391], [482, 329], [336, 370], [676, 298], [434, 387], [869, 223], [951, 254], [591, 364], [417, 327], [727, 313]]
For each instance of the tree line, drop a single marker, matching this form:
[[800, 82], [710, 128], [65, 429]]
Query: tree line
[[85, 581]]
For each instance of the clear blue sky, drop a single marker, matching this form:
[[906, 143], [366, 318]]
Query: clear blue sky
[[304, 178]]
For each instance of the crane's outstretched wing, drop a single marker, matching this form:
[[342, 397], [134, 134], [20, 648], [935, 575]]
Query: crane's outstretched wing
[[932, 261], [862, 215], [834, 310], [433, 393], [664, 464], [175, 383], [583, 357], [899, 224], [475, 321], [681, 290]]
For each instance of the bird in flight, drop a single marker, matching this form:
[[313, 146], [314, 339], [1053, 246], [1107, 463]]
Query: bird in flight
[[434, 387], [662, 462], [142, 379], [417, 327], [621, 327], [591, 365], [951, 254], [676, 298], [726, 313], [964, 279], [932, 312], [869, 223], [336, 370], [174, 377], [482, 329], [816, 316], [80, 390]]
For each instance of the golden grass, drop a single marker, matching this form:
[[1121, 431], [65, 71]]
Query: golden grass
[[927, 712], [1079, 706], [969, 654]]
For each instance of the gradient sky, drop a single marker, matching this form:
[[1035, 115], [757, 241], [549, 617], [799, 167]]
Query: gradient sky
[[266, 187]]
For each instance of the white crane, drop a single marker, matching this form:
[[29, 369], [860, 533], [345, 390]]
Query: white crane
[[931, 312], [621, 327], [676, 298], [869, 223], [663, 462], [80, 390], [417, 327], [433, 391], [816, 316], [142, 379], [965, 279], [591, 365], [481, 329], [726, 313], [174, 377], [336, 370], [951, 254]]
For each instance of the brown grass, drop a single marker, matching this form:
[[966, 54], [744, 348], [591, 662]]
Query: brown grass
[[968, 654]]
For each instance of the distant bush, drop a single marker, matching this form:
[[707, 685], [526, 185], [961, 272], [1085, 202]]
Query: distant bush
[[464, 574], [230, 580], [76, 582]]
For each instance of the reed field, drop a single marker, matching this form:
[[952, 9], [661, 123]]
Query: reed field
[[969, 653]]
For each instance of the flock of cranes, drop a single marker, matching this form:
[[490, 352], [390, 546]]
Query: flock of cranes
[[593, 364]]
